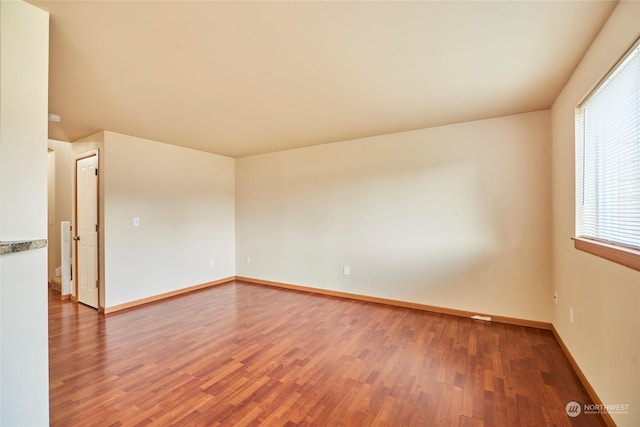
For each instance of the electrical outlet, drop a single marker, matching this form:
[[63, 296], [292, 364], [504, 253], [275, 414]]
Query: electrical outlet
[[136, 222], [555, 296], [346, 270], [212, 262], [248, 260]]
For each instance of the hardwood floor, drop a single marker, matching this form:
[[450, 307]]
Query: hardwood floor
[[241, 354]]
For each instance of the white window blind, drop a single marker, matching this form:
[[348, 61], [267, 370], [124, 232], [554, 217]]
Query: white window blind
[[608, 157]]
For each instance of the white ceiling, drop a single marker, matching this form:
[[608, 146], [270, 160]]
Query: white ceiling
[[239, 78]]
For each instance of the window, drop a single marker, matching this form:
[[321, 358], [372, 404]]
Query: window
[[608, 165]]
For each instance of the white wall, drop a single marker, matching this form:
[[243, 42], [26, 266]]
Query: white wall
[[54, 253], [185, 201], [605, 336], [63, 195], [24, 378], [455, 216]]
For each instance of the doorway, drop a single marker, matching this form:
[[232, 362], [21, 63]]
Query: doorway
[[86, 229]]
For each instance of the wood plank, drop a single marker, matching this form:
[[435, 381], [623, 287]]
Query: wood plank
[[243, 354]]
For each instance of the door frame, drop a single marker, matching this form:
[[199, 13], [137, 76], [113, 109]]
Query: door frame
[[74, 230]]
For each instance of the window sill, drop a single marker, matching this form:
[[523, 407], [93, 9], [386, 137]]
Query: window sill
[[624, 256]]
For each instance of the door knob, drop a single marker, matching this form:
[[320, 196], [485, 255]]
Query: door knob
[[76, 237]]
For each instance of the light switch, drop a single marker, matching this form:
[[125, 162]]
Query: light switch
[[136, 222]]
